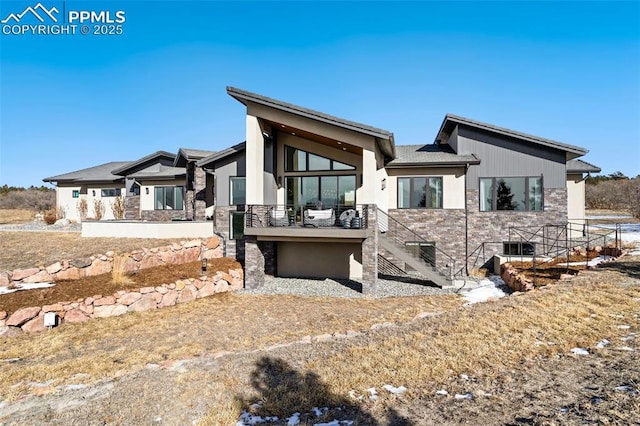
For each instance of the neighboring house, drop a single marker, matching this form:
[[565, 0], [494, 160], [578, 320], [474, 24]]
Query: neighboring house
[[96, 185], [313, 195], [158, 187]]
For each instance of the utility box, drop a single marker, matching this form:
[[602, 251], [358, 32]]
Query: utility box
[[50, 319]]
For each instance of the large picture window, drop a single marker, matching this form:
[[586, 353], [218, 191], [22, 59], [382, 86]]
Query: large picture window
[[514, 193], [169, 198], [237, 191], [321, 191], [419, 192], [297, 160]]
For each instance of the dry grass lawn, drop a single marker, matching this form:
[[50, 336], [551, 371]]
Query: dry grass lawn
[[13, 216], [29, 249]]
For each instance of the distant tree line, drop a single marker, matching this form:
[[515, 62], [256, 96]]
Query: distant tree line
[[37, 198], [614, 192]]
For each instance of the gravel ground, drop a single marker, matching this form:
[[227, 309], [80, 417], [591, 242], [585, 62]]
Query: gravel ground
[[40, 226], [343, 288]]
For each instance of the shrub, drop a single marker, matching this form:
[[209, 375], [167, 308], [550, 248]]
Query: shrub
[[83, 208], [118, 208], [50, 216], [98, 209], [118, 271]]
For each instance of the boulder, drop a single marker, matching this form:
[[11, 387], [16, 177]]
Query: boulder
[[145, 290], [129, 298], [98, 267], [41, 277], [20, 274], [76, 315], [188, 294], [23, 315], [213, 242], [169, 299], [208, 289], [4, 279], [87, 309], [54, 267], [56, 307], [108, 300], [81, 263], [34, 325], [146, 302], [10, 331], [72, 273], [62, 222], [109, 311], [192, 243], [3, 315]]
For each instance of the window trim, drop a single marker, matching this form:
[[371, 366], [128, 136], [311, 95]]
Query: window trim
[[427, 198], [75, 193], [494, 200], [164, 204], [231, 178]]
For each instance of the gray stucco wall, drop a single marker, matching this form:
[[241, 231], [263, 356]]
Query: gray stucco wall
[[508, 157], [230, 167]]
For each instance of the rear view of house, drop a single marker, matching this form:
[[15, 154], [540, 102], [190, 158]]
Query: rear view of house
[[308, 194]]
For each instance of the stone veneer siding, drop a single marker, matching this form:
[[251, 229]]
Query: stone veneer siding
[[132, 206], [493, 227], [444, 227], [254, 264], [162, 215], [370, 252], [200, 187], [233, 248]]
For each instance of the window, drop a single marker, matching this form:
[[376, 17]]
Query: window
[[169, 198], [324, 191], [515, 193], [236, 225], [75, 193], [110, 192], [519, 248], [297, 160], [426, 251], [419, 192], [237, 190]]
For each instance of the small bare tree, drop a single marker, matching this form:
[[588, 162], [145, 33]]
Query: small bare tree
[[61, 212], [118, 207], [83, 208], [98, 209]]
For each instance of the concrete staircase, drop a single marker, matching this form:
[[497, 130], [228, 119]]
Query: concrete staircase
[[427, 271], [393, 236]]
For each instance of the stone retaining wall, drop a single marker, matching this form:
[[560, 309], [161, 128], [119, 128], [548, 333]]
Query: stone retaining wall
[[30, 320], [176, 253]]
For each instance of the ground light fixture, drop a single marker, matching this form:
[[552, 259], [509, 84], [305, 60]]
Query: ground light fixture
[[204, 265]]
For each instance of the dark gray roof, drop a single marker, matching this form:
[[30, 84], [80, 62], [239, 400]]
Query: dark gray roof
[[244, 97], [146, 159], [450, 121], [580, 166], [164, 172], [222, 154], [429, 156], [189, 154], [101, 173]]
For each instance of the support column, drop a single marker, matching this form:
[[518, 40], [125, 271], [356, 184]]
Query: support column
[[370, 252], [254, 162], [199, 186], [253, 264]]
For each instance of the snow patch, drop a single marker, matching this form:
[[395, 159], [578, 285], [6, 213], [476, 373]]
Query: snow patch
[[464, 396], [487, 289], [442, 392], [579, 351], [602, 343], [396, 391], [25, 286], [294, 420]]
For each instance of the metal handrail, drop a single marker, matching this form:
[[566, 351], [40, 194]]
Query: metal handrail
[[274, 215], [399, 235]]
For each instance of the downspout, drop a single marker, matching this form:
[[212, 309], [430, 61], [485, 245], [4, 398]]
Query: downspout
[[466, 223]]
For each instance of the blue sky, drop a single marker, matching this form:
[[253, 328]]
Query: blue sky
[[568, 71]]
